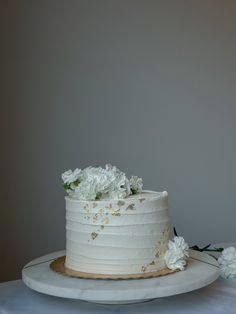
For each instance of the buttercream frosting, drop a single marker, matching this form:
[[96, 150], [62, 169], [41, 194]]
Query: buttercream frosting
[[125, 236]]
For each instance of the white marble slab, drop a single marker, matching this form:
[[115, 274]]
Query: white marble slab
[[201, 271]]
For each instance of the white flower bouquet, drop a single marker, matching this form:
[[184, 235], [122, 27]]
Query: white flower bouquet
[[95, 183]]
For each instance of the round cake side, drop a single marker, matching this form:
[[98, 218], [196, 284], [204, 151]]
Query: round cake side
[[127, 236]]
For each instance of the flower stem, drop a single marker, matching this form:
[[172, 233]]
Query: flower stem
[[206, 248]]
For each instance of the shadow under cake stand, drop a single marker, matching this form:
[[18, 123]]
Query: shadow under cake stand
[[201, 271]]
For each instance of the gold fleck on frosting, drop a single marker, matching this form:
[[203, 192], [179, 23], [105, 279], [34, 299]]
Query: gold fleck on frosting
[[157, 254], [143, 268], [105, 221], [116, 213], [130, 207], [110, 206], [141, 200], [94, 235], [95, 217], [120, 203]]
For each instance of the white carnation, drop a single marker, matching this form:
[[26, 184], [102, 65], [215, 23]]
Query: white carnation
[[103, 179], [85, 191], [227, 262], [175, 256], [119, 187], [70, 176], [136, 184], [119, 191]]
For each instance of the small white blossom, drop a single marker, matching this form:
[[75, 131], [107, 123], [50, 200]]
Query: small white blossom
[[136, 184], [71, 176], [227, 262], [175, 256]]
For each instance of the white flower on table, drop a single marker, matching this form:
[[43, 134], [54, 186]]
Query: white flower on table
[[227, 262], [177, 253]]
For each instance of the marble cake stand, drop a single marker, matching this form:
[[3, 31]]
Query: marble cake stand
[[201, 271]]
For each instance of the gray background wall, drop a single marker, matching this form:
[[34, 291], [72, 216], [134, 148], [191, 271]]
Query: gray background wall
[[146, 85]]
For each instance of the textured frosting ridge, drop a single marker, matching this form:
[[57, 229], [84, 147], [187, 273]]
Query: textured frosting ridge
[[127, 236]]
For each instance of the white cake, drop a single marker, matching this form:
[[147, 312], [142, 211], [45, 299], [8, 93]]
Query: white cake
[[126, 236]]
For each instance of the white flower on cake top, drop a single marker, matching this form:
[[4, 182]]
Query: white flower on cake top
[[70, 176], [94, 183], [227, 262]]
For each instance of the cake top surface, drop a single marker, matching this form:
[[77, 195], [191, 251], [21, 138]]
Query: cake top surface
[[145, 195], [97, 183]]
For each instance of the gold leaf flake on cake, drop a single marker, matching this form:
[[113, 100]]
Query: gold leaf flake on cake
[[94, 235], [109, 206], [95, 205], [95, 217], [116, 213], [157, 254], [105, 221], [141, 200], [86, 206], [120, 203], [162, 244], [152, 263], [143, 268], [130, 207]]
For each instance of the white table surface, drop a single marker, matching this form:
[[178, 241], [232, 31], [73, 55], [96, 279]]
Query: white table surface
[[219, 297]]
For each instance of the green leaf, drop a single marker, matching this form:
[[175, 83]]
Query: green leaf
[[66, 186], [133, 191], [98, 196], [206, 248], [77, 182], [215, 249]]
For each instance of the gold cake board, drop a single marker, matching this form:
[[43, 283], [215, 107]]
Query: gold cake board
[[58, 265]]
